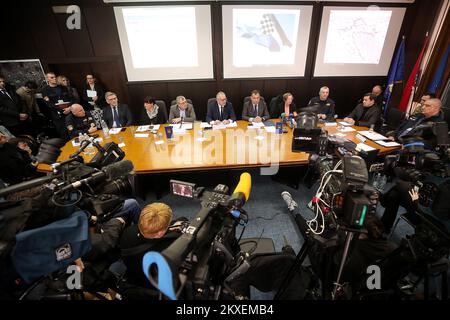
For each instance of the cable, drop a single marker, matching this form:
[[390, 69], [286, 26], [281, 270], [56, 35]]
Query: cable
[[267, 219]]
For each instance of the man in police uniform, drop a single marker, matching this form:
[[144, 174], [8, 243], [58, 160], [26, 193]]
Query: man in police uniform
[[325, 106], [79, 121]]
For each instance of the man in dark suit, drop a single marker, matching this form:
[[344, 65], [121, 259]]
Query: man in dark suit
[[220, 111], [116, 115], [365, 114], [182, 111], [12, 110], [255, 110]]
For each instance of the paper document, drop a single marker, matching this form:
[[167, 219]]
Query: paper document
[[205, 125], [114, 130], [331, 124], [185, 126], [141, 135], [387, 144], [345, 123], [364, 147], [256, 125], [218, 126], [347, 129], [270, 129], [372, 135], [179, 130], [91, 93], [231, 125]]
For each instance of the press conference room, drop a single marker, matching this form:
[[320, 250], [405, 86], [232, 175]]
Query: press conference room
[[225, 150]]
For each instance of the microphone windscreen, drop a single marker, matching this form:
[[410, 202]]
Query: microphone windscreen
[[118, 169], [244, 186]]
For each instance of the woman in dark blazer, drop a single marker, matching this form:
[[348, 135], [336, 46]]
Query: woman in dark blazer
[[286, 106], [152, 113], [93, 85]]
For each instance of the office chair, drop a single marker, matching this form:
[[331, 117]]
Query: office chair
[[162, 104]]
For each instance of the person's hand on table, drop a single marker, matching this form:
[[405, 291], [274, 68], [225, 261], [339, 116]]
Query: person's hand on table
[[23, 116], [226, 121], [176, 120], [349, 121], [257, 119], [391, 138], [66, 110], [322, 116], [92, 129]]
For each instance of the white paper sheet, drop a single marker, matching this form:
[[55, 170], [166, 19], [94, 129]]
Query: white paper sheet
[[114, 130], [270, 129], [387, 144], [205, 125], [141, 135], [372, 135], [364, 147], [345, 123], [91, 93]]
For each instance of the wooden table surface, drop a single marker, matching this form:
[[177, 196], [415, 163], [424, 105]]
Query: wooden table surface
[[225, 148]]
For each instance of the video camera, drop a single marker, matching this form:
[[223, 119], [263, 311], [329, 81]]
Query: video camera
[[196, 265]]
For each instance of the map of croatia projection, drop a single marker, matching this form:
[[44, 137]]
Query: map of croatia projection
[[356, 36]]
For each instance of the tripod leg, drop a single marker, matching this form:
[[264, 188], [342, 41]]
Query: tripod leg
[[337, 285], [297, 263]]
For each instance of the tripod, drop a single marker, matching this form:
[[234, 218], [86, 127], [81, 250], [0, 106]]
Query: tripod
[[325, 244]]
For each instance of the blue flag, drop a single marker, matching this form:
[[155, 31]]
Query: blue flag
[[437, 79], [396, 73]]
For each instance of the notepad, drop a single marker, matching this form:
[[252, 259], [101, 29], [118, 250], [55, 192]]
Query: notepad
[[205, 125], [185, 126], [148, 128], [345, 123], [91, 93]]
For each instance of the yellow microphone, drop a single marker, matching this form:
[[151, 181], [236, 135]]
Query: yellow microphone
[[241, 193]]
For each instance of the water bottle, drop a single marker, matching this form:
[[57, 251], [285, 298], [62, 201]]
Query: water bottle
[[105, 129]]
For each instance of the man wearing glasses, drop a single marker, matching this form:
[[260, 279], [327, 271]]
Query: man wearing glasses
[[431, 112]]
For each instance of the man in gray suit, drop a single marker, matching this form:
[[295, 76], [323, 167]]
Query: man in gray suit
[[255, 110], [182, 111]]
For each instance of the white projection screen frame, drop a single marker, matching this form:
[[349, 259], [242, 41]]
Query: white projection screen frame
[[360, 47], [265, 41], [180, 48]]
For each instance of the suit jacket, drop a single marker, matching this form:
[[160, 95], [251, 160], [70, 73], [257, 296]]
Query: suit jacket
[[175, 113], [371, 117], [10, 108], [213, 112], [101, 102], [248, 111], [125, 117], [144, 120]]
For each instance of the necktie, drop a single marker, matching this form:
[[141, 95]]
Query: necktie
[[221, 113], [116, 117], [6, 93], [255, 110]]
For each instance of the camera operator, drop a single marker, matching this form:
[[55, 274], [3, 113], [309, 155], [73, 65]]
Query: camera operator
[[153, 232], [16, 163]]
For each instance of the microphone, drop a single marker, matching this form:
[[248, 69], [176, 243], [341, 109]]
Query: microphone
[[84, 145], [110, 172], [241, 193]]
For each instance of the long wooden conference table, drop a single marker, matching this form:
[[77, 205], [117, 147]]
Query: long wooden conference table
[[197, 149]]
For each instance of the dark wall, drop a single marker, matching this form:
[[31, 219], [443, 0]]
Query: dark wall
[[30, 29]]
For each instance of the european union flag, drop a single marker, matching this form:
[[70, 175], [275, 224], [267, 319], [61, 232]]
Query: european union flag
[[396, 73]]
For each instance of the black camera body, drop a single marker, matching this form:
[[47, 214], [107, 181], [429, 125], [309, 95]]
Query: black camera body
[[206, 250]]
